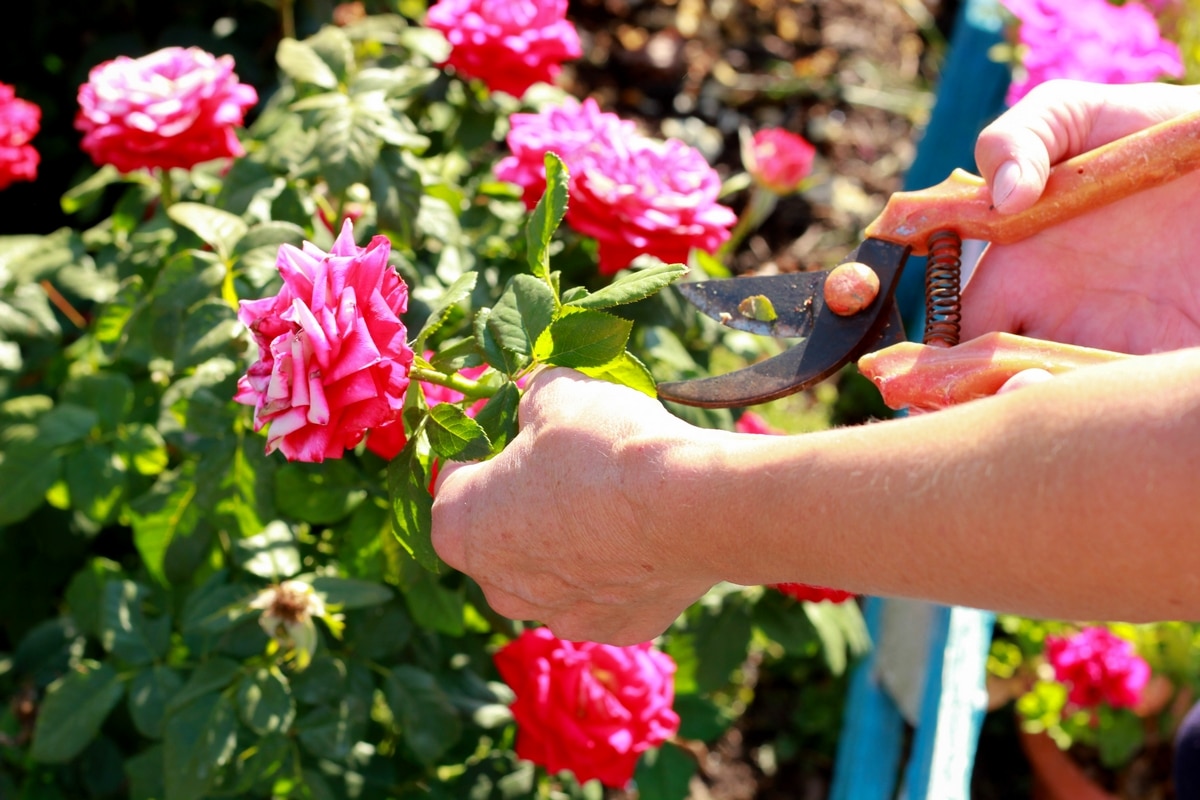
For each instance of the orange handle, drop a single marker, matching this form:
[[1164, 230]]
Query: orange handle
[[962, 202]]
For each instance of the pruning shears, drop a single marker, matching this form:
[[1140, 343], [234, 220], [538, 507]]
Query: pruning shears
[[932, 222]]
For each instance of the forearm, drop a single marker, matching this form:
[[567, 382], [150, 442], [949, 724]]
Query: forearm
[[1072, 499]]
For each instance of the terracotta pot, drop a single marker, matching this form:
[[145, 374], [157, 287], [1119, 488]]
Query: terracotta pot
[[1055, 775]]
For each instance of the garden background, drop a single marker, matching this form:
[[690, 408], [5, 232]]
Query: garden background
[[132, 659]]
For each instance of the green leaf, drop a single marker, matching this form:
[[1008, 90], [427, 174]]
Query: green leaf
[[722, 645], [427, 720], [412, 505], [143, 448], [145, 772], [85, 593], [96, 481], [73, 710], [108, 394], [302, 64], [125, 631], [584, 338], [217, 228], [396, 188], [632, 285], [432, 605], [27, 472], [210, 676], [505, 360], [627, 370], [168, 510], [272, 554], [700, 718], [665, 773], [455, 436], [265, 702], [842, 630], [1123, 733], [149, 692], [319, 493], [523, 312], [199, 740], [88, 191], [208, 330], [498, 417], [331, 731], [348, 593], [66, 423], [440, 310], [547, 216]]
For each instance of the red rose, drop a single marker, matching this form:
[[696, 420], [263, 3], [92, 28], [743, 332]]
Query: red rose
[[1097, 666], [19, 123], [507, 44], [589, 708], [176, 107], [333, 360], [813, 594], [778, 161]]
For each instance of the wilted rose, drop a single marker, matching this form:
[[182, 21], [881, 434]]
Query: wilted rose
[[19, 123], [1089, 40], [778, 160], [508, 44], [288, 613], [589, 708], [176, 107], [333, 359], [1097, 666]]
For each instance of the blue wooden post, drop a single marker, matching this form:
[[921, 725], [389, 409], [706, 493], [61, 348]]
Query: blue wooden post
[[953, 697]]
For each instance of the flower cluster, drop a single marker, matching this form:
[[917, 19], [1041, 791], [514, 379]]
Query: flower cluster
[[509, 45], [19, 123], [176, 107], [589, 708], [1097, 666], [1091, 40], [333, 360], [633, 194]]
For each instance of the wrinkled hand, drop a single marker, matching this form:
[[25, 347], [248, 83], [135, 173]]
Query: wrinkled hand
[[1124, 277], [560, 526]]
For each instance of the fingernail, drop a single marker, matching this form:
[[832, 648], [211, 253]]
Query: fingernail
[[1007, 177]]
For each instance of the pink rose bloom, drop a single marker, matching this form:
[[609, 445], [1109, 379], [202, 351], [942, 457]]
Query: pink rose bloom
[[333, 360], [20, 121], [508, 44], [633, 194], [176, 107], [589, 708], [567, 131], [778, 160], [752, 422], [1097, 666], [1090, 40]]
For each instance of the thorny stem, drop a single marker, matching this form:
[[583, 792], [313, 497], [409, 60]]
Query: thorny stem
[[287, 19], [166, 189], [63, 305]]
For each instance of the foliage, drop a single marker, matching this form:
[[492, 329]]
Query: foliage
[[185, 616]]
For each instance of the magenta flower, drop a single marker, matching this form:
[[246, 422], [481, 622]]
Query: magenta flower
[[589, 708], [176, 107], [1090, 40], [508, 44], [20, 121], [778, 160], [333, 361], [567, 130], [1097, 666], [813, 594]]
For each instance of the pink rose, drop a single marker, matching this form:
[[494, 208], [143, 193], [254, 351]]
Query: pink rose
[[633, 194], [589, 708], [778, 160], [1090, 40], [1097, 666], [752, 422], [387, 441], [508, 44], [20, 121], [565, 130], [176, 107], [332, 357]]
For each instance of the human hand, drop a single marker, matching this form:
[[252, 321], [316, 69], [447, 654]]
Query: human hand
[[561, 526], [1123, 277]]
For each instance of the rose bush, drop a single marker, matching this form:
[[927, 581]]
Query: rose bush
[[215, 459]]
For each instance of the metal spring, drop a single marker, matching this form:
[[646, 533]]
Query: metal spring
[[943, 271]]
